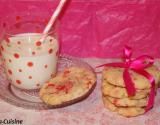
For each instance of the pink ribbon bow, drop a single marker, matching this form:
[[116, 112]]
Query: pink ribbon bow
[[138, 65]]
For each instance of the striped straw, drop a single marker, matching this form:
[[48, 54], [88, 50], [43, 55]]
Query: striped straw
[[53, 19]]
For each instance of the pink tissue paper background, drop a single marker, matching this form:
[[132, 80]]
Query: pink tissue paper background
[[98, 28]]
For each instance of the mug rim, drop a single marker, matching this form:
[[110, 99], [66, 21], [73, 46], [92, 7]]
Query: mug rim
[[23, 15]]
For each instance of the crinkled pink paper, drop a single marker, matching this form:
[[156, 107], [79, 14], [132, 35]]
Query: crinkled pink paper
[[99, 28]]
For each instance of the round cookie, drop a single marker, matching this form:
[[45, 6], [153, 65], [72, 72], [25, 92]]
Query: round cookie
[[126, 102], [68, 87], [119, 92], [115, 77], [127, 111]]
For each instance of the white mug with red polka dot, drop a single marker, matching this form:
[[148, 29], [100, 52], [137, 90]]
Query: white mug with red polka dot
[[29, 63]]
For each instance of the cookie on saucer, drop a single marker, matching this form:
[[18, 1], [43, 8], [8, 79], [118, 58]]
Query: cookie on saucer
[[70, 86]]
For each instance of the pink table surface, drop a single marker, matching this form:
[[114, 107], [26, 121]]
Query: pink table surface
[[88, 112], [99, 28]]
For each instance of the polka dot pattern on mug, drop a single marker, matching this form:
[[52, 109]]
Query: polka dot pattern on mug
[[18, 81], [29, 69], [16, 55], [30, 64]]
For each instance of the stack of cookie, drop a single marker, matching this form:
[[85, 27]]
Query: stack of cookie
[[114, 94]]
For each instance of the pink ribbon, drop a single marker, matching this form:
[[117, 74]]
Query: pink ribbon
[[138, 65]]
